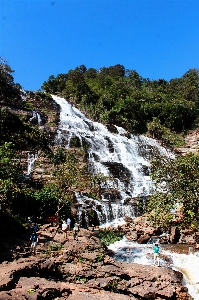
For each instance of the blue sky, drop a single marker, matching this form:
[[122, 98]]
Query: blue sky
[[157, 38]]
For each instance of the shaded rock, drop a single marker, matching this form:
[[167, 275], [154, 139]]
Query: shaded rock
[[143, 239], [83, 270], [128, 219], [174, 235]]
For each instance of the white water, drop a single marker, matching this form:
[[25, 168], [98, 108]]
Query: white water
[[125, 158], [31, 162], [131, 154], [36, 118], [39, 120], [109, 214], [188, 264]]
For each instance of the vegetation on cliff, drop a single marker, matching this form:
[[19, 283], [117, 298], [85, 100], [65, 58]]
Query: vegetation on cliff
[[177, 191], [164, 110], [122, 97]]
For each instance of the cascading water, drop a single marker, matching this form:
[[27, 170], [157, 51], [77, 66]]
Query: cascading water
[[122, 156], [106, 212], [127, 159], [170, 256], [23, 95], [39, 120], [36, 118], [31, 162]]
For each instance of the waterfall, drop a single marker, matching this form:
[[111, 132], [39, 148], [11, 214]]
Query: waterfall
[[31, 162], [170, 256], [106, 212], [23, 95], [124, 157], [39, 119], [36, 118]]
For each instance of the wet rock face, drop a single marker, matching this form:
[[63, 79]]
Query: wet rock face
[[112, 128], [111, 194], [119, 171], [110, 145], [145, 170]]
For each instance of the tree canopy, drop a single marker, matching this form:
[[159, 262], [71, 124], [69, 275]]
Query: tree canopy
[[177, 188], [120, 96], [9, 91]]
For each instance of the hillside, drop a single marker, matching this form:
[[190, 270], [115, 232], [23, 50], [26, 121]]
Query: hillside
[[29, 128]]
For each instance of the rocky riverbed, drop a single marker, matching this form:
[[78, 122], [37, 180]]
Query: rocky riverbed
[[81, 269]]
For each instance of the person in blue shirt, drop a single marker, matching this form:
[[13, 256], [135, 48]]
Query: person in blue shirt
[[156, 254], [34, 241]]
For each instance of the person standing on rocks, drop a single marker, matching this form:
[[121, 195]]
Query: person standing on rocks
[[35, 228], [64, 229], [68, 221], [156, 254], [34, 241], [75, 230]]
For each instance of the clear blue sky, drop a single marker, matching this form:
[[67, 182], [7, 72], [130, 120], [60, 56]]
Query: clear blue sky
[[157, 38]]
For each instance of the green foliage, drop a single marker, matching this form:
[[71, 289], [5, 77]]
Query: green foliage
[[59, 157], [168, 138], [9, 164], [100, 257], [81, 260], [92, 195], [55, 247], [39, 202], [108, 237], [9, 174], [9, 91], [113, 285], [23, 135], [177, 186], [122, 97], [47, 198], [80, 278], [73, 176], [75, 142], [52, 247]]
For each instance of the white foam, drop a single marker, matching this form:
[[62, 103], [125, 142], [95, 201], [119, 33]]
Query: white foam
[[188, 264]]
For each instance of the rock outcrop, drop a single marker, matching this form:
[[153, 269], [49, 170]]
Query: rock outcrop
[[82, 269], [141, 230]]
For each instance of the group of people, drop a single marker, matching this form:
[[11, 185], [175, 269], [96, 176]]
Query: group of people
[[33, 229], [66, 226]]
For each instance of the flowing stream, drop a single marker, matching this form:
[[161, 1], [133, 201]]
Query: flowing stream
[[178, 257]]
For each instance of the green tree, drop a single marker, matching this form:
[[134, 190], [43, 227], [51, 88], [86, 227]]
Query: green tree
[[166, 137], [190, 85], [50, 86], [9, 91], [177, 185], [10, 171]]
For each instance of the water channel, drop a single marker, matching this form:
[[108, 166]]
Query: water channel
[[178, 257]]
